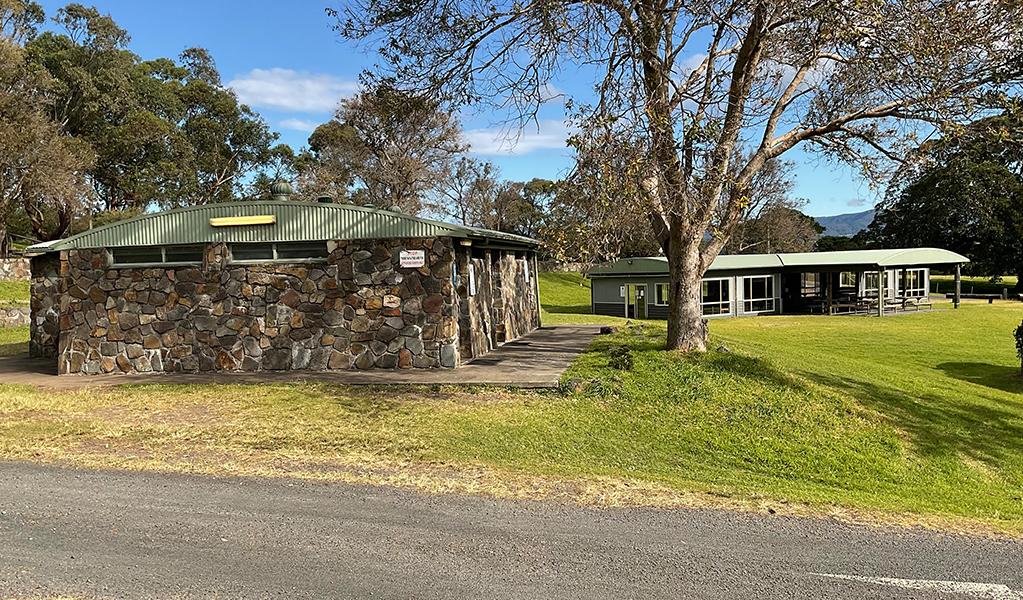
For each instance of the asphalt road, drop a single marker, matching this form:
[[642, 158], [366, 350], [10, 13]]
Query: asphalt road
[[131, 535]]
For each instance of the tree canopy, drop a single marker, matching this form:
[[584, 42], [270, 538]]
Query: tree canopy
[[962, 192], [707, 92], [141, 134]]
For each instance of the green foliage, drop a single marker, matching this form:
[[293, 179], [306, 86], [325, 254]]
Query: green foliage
[[836, 243], [967, 196], [164, 133]]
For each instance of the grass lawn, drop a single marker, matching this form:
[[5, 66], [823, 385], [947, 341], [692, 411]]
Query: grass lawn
[[911, 418], [14, 292], [13, 340], [972, 285]]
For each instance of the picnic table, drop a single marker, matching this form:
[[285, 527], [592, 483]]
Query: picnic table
[[989, 297]]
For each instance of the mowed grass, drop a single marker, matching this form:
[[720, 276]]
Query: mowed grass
[[14, 293], [913, 418], [13, 340], [972, 285]]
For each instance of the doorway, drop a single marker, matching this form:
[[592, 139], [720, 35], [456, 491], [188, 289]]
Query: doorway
[[635, 301]]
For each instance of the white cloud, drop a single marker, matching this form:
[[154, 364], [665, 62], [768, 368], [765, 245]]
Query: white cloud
[[292, 91], [300, 124], [551, 135]]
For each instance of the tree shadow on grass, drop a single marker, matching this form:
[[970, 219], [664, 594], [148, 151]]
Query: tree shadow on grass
[[1002, 378], [12, 349], [982, 429]]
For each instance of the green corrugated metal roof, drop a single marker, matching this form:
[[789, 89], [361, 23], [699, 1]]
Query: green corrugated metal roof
[[733, 262], [295, 222]]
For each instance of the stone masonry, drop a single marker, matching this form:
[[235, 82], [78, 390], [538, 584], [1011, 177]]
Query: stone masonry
[[15, 316], [356, 310], [14, 269]]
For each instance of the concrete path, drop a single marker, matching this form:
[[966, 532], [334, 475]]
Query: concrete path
[[68, 532], [535, 360]]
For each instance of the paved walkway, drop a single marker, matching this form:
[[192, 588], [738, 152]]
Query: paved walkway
[[536, 360]]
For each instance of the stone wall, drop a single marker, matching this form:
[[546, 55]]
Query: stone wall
[[46, 299], [357, 309], [15, 268], [520, 312], [15, 316], [475, 326]]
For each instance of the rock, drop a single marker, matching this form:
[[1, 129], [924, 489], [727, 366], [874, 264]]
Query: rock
[[386, 334], [151, 342], [300, 357], [123, 363], [339, 361], [361, 323], [404, 359], [277, 359], [724, 349], [107, 364], [433, 303], [365, 361], [608, 329], [225, 362], [387, 361], [448, 355]]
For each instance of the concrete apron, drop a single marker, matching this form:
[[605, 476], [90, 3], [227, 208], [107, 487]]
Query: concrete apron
[[535, 360]]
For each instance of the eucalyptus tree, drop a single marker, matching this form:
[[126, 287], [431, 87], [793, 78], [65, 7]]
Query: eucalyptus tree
[[697, 82], [398, 147], [42, 172]]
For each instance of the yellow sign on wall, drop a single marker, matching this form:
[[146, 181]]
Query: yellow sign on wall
[[253, 220]]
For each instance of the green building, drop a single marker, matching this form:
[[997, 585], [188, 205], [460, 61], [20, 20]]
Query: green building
[[756, 284]]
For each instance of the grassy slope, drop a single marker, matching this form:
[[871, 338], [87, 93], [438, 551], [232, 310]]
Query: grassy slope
[[917, 413]]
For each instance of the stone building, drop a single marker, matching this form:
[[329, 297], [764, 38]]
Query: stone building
[[279, 285]]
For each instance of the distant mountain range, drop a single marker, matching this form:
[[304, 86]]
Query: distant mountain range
[[846, 225]]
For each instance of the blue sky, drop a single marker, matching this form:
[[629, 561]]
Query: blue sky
[[284, 61]]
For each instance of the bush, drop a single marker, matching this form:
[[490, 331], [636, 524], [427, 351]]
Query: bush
[[621, 358]]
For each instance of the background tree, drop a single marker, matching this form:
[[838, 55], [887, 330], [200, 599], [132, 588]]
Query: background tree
[[41, 171], [165, 133], [468, 193], [397, 146], [772, 220], [963, 192], [695, 82], [838, 243]]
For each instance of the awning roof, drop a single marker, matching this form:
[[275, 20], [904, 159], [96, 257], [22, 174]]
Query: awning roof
[[901, 257], [292, 221]]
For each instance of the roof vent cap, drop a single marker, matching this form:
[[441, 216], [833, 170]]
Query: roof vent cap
[[396, 209], [281, 190], [369, 205], [325, 199]]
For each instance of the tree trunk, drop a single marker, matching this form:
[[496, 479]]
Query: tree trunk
[[4, 245], [686, 328]]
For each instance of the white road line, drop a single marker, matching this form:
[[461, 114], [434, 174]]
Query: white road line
[[989, 591]]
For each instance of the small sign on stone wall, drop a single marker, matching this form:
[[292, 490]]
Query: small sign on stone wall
[[412, 259], [472, 279]]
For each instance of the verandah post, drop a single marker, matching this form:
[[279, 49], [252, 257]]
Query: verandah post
[[957, 296]]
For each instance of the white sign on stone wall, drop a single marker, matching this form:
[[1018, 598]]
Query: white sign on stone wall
[[472, 279], [412, 259]]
